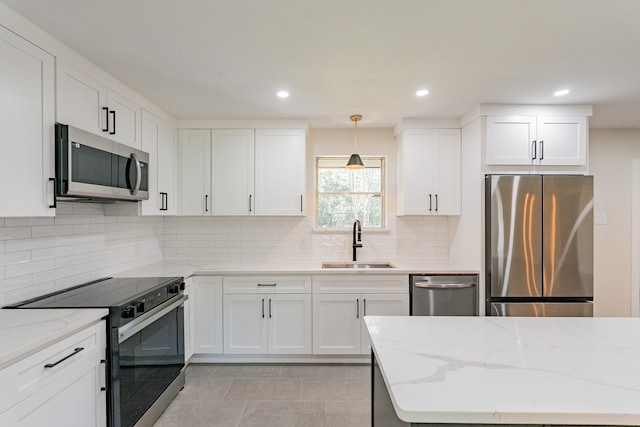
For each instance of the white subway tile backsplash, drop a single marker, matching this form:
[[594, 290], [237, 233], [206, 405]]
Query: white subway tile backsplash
[[28, 268], [12, 258], [7, 233], [28, 244], [26, 293], [27, 222]]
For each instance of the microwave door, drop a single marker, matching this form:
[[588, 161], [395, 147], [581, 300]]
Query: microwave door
[[90, 164]]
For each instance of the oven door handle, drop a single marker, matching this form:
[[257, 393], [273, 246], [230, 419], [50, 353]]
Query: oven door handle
[[132, 328]]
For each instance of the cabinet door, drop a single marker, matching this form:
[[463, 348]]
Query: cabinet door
[[280, 174], [381, 305], [232, 172], [336, 324], [195, 172], [124, 119], [27, 124], [150, 127], [510, 140], [289, 323], [245, 324], [188, 319], [167, 169], [446, 167], [80, 100], [416, 153], [206, 304], [562, 140]]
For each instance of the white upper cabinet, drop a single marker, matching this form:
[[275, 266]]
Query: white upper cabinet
[[280, 172], [194, 160], [232, 173], [536, 140], [242, 172], [27, 85], [159, 140], [88, 104], [429, 172]]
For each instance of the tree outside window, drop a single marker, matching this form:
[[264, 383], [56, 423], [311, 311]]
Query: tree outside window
[[344, 195]]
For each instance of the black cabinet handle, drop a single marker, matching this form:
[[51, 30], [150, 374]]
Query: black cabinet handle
[[364, 302], [105, 128], [75, 351], [263, 308], [249, 202], [206, 203], [113, 114], [357, 308], [301, 203], [55, 201], [430, 203], [269, 308], [166, 201], [436, 203], [535, 150], [163, 201], [541, 150], [267, 284]]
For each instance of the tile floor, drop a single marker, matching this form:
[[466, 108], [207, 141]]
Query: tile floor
[[274, 395]]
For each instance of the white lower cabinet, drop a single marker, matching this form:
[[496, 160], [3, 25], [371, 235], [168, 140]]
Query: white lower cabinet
[[339, 304], [69, 394], [338, 327], [206, 314], [267, 315]]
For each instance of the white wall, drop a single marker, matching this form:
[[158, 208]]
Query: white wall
[[42, 255], [294, 240], [611, 155]]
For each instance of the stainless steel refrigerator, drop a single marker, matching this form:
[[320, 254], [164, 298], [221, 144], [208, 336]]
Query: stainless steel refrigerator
[[539, 245]]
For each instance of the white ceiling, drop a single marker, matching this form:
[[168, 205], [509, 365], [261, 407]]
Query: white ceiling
[[226, 59]]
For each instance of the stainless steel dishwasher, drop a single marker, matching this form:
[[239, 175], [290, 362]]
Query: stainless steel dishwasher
[[444, 295]]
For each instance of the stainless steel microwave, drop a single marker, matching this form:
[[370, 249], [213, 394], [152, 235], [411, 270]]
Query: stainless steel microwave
[[91, 167]]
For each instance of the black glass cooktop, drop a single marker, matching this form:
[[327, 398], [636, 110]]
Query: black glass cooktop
[[103, 293]]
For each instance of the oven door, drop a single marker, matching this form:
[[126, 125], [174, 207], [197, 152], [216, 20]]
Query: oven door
[[149, 360]]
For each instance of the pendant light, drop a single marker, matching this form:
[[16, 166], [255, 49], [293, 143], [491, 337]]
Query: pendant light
[[355, 162]]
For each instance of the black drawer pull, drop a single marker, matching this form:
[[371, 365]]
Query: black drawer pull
[[267, 284], [75, 351]]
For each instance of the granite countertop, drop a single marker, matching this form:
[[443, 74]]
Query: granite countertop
[[208, 267], [25, 331], [500, 370]]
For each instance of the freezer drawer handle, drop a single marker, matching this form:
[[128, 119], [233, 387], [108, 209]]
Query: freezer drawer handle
[[427, 285]]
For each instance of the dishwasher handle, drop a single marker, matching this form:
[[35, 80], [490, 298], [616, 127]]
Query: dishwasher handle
[[427, 285]]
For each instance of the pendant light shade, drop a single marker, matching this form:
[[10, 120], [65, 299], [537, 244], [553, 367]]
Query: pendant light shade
[[355, 162]]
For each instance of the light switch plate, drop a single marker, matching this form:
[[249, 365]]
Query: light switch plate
[[601, 218]]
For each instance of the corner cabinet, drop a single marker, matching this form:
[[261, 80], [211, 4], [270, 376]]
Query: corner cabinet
[[27, 85], [267, 315], [71, 393], [341, 301], [536, 140], [90, 105], [159, 140], [428, 172], [206, 314]]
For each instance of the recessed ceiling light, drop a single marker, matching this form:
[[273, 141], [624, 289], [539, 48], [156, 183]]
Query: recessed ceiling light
[[562, 92], [283, 94], [422, 92]]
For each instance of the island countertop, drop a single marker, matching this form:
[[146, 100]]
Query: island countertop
[[500, 370]]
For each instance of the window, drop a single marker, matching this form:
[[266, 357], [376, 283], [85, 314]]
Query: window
[[344, 195]]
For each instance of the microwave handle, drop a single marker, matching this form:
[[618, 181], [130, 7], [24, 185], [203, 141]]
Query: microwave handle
[[136, 187]]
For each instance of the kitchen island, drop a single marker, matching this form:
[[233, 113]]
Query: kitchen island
[[505, 371]]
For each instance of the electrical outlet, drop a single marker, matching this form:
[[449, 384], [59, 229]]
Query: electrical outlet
[[601, 218], [303, 243]]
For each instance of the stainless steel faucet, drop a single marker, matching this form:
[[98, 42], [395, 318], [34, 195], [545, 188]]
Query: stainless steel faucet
[[355, 244]]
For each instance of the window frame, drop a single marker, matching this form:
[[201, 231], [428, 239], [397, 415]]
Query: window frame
[[382, 192]]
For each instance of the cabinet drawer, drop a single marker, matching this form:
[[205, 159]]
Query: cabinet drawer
[[266, 284], [26, 377], [348, 284]]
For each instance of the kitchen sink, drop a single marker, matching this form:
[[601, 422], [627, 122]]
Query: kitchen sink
[[358, 265]]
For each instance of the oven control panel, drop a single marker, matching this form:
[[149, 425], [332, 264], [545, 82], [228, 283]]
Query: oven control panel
[[147, 302]]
